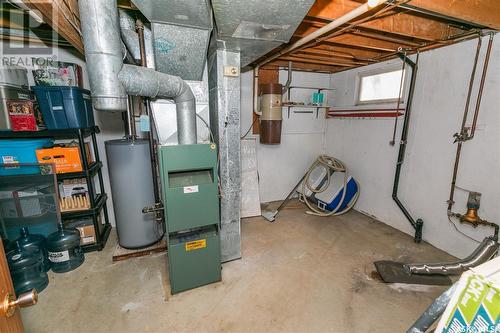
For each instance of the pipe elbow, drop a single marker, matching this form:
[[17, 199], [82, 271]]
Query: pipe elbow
[[185, 93], [141, 81]]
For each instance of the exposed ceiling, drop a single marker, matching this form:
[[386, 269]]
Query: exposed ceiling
[[405, 25], [410, 25]]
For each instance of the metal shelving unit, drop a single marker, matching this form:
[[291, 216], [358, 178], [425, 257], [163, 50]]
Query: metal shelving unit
[[97, 201], [317, 107]]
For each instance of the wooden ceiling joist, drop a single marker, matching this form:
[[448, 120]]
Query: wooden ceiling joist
[[375, 35], [331, 56], [483, 12], [360, 42], [384, 37], [301, 66], [326, 59], [366, 55], [63, 16], [398, 23], [380, 33]]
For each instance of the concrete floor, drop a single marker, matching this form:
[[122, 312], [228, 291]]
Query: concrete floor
[[301, 274]]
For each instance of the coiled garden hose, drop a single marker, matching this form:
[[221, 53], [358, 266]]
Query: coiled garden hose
[[330, 164]]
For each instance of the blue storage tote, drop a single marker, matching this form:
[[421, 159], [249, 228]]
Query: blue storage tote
[[65, 107], [15, 151]]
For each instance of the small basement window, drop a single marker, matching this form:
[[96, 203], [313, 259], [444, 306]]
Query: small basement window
[[380, 86]]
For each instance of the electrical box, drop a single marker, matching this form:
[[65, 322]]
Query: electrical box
[[191, 199]]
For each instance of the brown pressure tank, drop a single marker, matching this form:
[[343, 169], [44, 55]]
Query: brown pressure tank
[[271, 116]]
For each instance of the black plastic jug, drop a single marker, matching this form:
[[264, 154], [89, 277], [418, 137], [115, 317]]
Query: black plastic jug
[[28, 240], [26, 269], [65, 252]]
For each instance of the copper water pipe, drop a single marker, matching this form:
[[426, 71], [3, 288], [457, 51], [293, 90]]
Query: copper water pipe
[[481, 86], [142, 47], [464, 135]]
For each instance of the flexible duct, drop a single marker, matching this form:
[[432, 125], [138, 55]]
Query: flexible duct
[[111, 81], [485, 251]]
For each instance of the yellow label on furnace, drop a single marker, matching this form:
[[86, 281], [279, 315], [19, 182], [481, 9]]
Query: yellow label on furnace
[[196, 245]]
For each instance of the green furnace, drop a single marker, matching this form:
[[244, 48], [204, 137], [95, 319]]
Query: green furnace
[[191, 199]]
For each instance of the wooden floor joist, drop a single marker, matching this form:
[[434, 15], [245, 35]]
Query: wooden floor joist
[[483, 12], [63, 16]]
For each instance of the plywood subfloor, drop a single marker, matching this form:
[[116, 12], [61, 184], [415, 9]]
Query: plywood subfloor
[[301, 274]]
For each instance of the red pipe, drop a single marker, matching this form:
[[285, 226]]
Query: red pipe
[[364, 115]]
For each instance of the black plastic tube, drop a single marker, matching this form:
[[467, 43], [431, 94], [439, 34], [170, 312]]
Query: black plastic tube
[[419, 223]]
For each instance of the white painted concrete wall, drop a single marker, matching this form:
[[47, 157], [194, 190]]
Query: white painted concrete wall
[[111, 124], [438, 105], [281, 166]]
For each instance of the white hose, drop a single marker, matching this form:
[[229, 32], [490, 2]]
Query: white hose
[[329, 164]]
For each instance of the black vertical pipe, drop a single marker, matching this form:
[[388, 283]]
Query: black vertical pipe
[[418, 224], [152, 149]]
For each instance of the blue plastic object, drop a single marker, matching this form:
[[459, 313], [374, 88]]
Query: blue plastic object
[[352, 189], [36, 242], [65, 107], [15, 151], [26, 269], [64, 250]]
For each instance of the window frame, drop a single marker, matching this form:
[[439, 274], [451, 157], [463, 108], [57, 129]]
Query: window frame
[[377, 71]]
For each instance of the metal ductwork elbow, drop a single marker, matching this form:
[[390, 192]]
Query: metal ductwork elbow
[[111, 81], [142, 81]]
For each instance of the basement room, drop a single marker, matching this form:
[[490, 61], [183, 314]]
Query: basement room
[[282, 166]]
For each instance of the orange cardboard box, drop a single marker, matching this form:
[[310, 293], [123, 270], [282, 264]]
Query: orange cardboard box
[[66, 159]]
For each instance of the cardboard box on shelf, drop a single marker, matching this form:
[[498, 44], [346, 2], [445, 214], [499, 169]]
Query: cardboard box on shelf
[[86, 228], [65, 156], [66, 159], [73, 188]]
